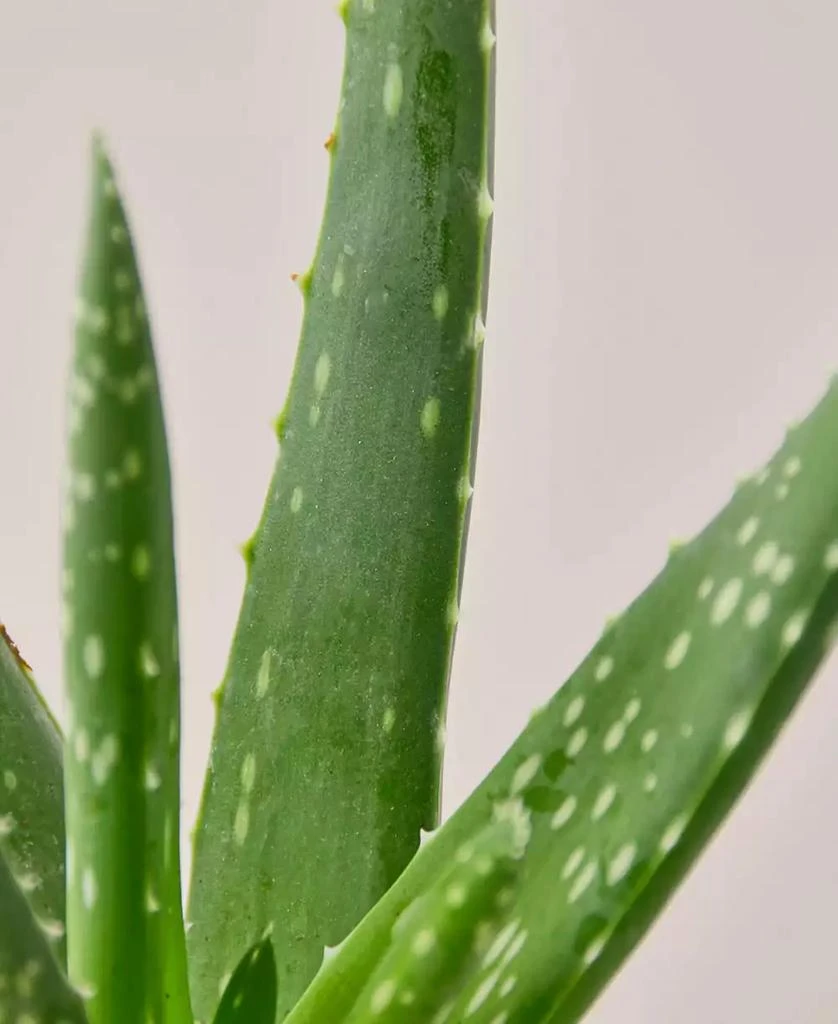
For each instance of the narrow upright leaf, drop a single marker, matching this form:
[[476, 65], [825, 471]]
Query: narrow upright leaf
[[635, 762], [325, 763], [125, 929]]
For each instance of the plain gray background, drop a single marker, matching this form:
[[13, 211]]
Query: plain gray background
[[664, 300]]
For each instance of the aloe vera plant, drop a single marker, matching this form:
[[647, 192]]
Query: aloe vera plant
[[310, 901]]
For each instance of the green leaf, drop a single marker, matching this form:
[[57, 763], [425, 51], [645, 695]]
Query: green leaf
[[325, 762], [31, 796], [125, 928], [439, 941], [642, 752], [32, 986], [32, 951], [250, 995]]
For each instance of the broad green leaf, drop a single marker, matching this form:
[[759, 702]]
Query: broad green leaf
[[628, 771], [326, 756]]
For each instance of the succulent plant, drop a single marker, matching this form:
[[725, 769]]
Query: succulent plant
[[313, 897]]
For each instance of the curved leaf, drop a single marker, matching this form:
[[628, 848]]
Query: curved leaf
[[31, 798], [250, 995], [635, 762]]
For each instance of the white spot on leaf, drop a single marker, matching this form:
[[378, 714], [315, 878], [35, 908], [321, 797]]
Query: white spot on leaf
[[792, 467], [632, 710], [621, 863], [604, 801], [583, 881], [747, 531], [440, 302], [604, 668], [393, 90], [429, 418], [141, 562], [793, 629], [89, 888], [525, 773], [736, 729], [781, 573], [677, 651], [149, 665], [241, 824], [726, 601], [766, 558], [104, 758], [573, 863], [564, 813], [322, 372], [383, 996], [672, 834], [248, 773], [758, 609], [577, 742], [574, 711], [263, 679], [614, 737], [424, 942]]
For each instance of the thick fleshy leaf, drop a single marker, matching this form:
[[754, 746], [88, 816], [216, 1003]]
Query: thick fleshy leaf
[[32, 951], [32, 985], [440, 940], [126, 946], [326, 756], [628, 771], [31, 797], [250, 995]]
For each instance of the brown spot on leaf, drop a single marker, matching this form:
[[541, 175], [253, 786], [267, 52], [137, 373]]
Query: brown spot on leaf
[[14, 649]]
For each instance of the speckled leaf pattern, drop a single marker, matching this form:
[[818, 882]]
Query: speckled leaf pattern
[[436, 943], [631, 767], [126, 948], [32, 952], [325, 763], [31, 795], [250, 995], [32, 985]]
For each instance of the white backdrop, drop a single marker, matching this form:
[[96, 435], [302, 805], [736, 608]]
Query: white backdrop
[[664, 300]]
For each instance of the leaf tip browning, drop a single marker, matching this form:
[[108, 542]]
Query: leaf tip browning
[[4, 635], [303, 281]]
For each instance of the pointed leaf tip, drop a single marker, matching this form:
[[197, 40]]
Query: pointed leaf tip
[[250, 995], [121, 761]]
